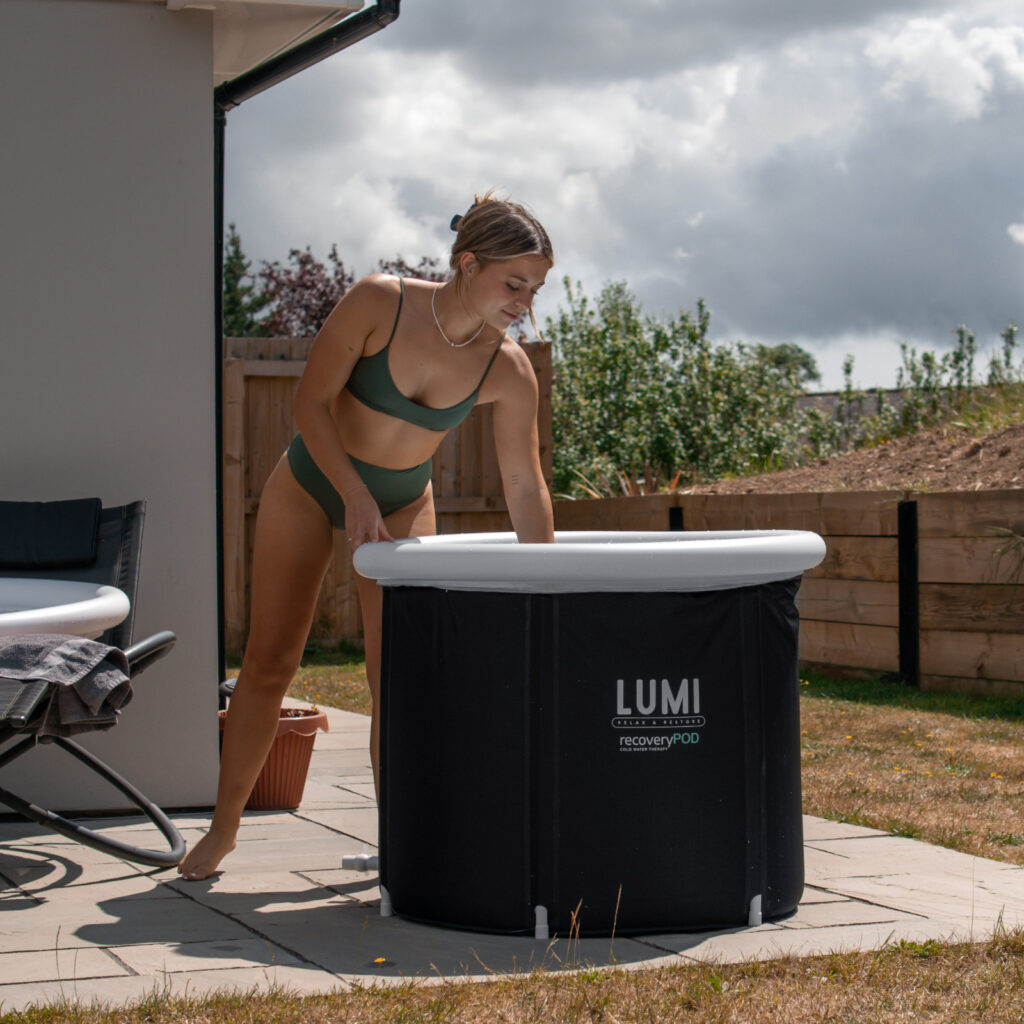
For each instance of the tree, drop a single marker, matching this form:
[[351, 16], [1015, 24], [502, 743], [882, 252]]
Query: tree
[[428, 269], [302, 293], [636, 394], [791, 361], [242, 302], [612, 404]]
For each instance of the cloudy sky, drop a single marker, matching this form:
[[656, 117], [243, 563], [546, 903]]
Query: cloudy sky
[[841, 175]]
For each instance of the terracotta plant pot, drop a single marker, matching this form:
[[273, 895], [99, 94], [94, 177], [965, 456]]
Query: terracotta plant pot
[[283, 776]]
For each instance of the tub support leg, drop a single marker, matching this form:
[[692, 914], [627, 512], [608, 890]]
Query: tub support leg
[[754, 916], [360, 862], [540, 918]]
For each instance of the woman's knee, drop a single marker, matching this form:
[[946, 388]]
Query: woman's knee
[[268, 670]]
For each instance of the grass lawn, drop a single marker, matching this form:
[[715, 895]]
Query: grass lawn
[[922, 983], [335, 678], [946, 769]]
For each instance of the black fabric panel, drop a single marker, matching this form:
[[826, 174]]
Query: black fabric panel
[[779, 655], [518, 770], [454, 806], [47, 534], [651, 817]]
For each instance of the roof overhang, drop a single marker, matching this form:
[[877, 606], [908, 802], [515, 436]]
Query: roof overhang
[[248, 32]]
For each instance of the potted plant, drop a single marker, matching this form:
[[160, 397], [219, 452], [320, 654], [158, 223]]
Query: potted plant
[[283, 776]]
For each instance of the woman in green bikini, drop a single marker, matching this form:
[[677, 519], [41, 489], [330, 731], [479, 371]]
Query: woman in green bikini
[[395, 366]]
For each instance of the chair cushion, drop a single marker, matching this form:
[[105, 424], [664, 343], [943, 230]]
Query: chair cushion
[[48, 534]]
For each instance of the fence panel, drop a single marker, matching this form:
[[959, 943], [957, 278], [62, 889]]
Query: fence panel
[[972, 592]]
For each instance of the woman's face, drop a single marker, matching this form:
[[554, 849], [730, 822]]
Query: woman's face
[[502, 292]]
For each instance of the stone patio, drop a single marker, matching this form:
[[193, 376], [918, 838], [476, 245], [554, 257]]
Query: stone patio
[[80, 925]]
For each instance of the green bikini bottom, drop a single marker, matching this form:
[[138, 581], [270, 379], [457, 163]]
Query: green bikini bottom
[[392, 489]]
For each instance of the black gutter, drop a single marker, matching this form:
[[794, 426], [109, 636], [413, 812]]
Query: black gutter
[[226, 96], [353, 28]]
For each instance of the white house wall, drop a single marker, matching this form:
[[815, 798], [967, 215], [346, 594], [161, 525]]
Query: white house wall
[[107, 328]]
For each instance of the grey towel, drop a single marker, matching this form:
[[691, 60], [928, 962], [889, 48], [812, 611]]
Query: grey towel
[[90, 679]]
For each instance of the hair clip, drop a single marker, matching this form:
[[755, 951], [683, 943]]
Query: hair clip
[[455, 222]]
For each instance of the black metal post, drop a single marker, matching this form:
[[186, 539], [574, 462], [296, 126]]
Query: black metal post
[[219, 126], [909, 606], [675, 518]]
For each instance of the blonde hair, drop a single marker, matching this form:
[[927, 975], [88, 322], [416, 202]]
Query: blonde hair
[[494, 230]]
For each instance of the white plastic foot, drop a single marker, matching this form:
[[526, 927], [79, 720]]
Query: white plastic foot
[[754, 916], [540, 919], [360, 862], [386, 910]]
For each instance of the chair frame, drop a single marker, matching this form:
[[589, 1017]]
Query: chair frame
[[122, 525]]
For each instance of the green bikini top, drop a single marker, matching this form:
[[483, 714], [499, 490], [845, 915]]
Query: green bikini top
[[371, 382]]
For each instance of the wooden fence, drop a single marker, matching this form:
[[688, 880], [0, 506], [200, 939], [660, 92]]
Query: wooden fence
[[926, 585], [260, 378], [911, 583]]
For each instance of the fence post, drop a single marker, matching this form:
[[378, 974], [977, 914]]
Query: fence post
[[909, 603]]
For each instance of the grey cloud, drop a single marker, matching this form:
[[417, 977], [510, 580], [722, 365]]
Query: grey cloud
[[584, 40], [837, 209], [910, 237]]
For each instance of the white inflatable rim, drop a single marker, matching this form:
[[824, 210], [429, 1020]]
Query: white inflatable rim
[[594, 561]]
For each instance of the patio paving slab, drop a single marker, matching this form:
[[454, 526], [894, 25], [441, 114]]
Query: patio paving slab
[[358, 823], [120, 990], [157, 958], [21, 968], [80, 925]]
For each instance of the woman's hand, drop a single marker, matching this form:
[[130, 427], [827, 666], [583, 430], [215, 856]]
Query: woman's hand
[[363, 521]]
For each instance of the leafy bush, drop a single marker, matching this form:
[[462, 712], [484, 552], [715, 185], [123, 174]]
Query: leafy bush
[[656, 397], [638, 400]]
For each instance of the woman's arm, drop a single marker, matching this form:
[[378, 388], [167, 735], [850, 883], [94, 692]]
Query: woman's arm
[[337, 348], [515, 437]]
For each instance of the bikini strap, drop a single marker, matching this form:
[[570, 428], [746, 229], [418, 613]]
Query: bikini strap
[[394, 327], [490, 363]]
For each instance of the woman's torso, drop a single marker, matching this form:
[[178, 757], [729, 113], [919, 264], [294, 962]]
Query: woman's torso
[[420, 385]]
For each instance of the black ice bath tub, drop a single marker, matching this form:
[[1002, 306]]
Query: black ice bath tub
[[599, 734]]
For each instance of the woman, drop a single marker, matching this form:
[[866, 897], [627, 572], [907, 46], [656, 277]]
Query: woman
[[395, 365]]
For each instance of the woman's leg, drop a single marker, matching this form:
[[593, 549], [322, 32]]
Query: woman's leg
[[293, 546], [414, 520]]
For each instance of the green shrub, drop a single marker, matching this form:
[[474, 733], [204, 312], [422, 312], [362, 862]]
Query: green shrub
[[639, 399]]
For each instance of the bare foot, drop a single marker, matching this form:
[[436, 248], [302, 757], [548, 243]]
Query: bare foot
[[201, 861]]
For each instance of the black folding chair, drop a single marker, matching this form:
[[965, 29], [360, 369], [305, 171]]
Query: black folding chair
[[78, 540]]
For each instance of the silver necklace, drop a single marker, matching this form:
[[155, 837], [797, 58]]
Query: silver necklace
[[461, 344]]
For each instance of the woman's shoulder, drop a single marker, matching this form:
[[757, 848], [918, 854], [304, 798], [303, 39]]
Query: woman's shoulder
[[375, 286], [387, 288], [511, 371]]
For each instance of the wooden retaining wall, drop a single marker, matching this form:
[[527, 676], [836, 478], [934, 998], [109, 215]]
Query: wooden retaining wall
[[260, 378], [961, 620]]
